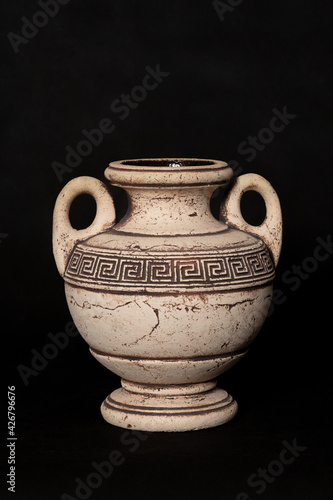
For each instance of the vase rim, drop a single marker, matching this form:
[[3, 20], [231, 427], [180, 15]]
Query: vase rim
[[168, 172]]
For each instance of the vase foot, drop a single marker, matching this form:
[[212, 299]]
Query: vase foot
[[170, 408]]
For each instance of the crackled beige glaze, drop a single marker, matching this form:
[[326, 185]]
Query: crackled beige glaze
[[169, 298]]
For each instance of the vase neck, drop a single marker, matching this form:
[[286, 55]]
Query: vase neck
[[170, 211]]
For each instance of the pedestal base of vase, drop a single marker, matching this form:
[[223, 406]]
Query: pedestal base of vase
[[170, 408]]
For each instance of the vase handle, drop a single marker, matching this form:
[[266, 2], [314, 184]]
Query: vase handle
[[270, 231], [65, 236]]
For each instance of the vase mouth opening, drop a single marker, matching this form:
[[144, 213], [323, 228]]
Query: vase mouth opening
[[168, 172], [168, 162]]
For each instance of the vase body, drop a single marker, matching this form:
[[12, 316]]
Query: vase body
[[169, 298]]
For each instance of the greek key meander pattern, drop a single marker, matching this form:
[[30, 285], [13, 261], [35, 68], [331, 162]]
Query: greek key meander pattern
[[90, 267]]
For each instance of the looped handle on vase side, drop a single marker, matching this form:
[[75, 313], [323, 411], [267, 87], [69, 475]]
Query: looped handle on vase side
[[270, 231], [65, 236]]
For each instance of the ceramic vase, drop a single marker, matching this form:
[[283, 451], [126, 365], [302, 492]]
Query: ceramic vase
[[169, 297]]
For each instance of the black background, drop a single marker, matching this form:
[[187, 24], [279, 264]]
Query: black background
[[225, 79]]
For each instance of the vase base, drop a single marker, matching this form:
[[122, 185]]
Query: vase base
[[169, 408]]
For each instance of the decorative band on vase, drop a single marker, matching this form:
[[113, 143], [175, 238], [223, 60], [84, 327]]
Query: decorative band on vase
[[93, 267]]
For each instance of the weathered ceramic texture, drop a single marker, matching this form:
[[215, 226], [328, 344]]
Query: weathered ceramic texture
[[169, 298]]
